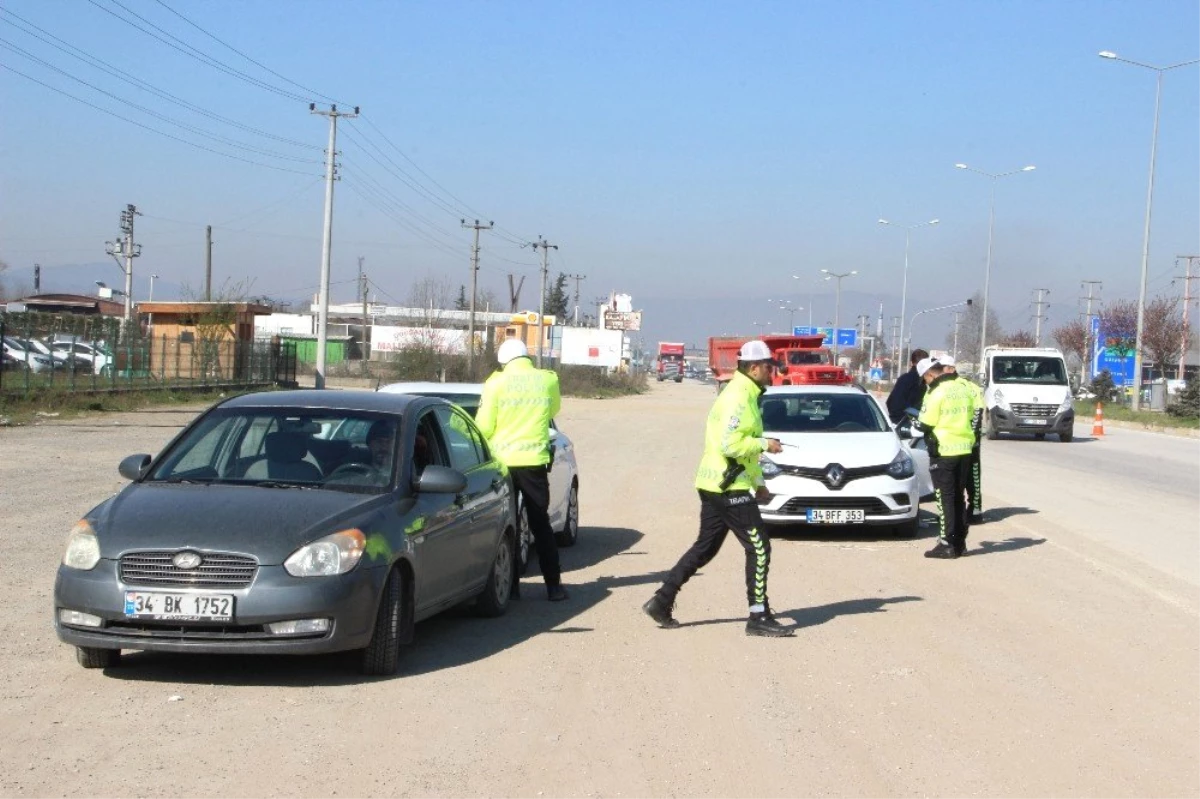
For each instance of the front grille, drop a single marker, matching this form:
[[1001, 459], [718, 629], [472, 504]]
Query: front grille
[[849, 474], [197, 631], [872, 506], [216, 570], [1037, 411]]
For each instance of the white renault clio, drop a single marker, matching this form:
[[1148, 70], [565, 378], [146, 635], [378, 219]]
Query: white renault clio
[[842, 461]]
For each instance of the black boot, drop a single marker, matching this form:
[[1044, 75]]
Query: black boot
[[659, 609], [944, 550], [765, 624]]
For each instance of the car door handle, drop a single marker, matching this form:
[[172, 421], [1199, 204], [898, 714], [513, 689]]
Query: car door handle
[[496, 483]]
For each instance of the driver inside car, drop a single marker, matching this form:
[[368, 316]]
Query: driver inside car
[[379, 470]]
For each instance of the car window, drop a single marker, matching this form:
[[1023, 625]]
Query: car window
[[822, 413], [468, 402], [429, 448], [1029, 369], [461, 439], [252, 445]]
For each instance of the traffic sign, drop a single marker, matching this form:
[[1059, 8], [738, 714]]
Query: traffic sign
[[847, 336], [1118, 363]]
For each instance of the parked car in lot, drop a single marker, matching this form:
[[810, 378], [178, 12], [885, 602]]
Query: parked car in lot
[[842, 461], [99, 360], [293, 522], [33, 360], [564, 473]]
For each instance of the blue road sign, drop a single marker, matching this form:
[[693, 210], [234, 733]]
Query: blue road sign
[[876, 373], [1119, 363], [847, 336]]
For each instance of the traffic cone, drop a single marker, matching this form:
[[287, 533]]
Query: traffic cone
[[1098, 420]]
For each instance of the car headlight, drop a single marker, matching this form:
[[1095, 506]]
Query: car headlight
[[333, 554], [83, 550], [769, 467], [902, 466], [1001, 403], [1067, 404]]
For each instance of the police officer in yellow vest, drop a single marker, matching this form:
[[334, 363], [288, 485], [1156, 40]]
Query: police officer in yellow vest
[[515, 409], [947, 417], [730, 482], [975, 482]]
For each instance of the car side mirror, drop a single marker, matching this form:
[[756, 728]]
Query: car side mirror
[[441, 480], [553, 434], [132, 467]]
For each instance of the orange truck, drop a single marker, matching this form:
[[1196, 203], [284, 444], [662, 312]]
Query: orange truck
[[670, 361], [799, 360]]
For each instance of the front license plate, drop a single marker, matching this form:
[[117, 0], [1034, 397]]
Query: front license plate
[[158, 606], [828, 516], [1033, 421]]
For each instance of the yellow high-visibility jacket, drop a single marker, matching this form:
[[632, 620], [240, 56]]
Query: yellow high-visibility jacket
[[734, 430], [515, 410], [948, 414]]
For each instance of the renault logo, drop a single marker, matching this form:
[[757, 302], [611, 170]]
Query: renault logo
[[834, 475], [186, 560]]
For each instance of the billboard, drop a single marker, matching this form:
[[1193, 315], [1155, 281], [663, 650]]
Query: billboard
[[847, 336], [390, 338], [1118, 362], [622, 320], [588, 346]]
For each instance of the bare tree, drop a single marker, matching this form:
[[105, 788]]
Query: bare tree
[[969, 328], [1020, 338], [1072, 339], [1162, 332]]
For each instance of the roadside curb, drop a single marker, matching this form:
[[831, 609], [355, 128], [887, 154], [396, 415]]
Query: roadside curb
[[1182, 432]]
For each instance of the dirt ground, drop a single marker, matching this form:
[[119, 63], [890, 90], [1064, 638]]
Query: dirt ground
[[1042, 665]]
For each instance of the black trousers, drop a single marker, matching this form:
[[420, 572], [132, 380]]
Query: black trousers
[[720, 513], [950, 478], [534, 487], [975, 483]]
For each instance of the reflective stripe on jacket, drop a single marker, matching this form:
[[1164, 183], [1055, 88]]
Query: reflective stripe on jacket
[[734, 430], [515, 409], [949, 414]]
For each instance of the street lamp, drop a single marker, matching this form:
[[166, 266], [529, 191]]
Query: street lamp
[[104, 287], [810, 298], [150, 317], [786, 305], [931, 310], [987, 274], [837, 312], [1141, 317], [908, 229], [760, 326]]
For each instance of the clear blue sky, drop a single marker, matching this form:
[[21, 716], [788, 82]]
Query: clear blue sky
[[694, 155]]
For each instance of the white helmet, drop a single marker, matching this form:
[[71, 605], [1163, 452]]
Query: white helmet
[[754, 350], [510, 349]]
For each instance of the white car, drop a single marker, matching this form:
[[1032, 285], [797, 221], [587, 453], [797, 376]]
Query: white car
[[564, 474], [843, 463], [26, 356], [99, 360]]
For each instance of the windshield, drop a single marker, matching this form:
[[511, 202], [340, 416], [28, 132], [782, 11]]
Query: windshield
[[285, 447], [798, 358], [822, 413], [1034, 369]]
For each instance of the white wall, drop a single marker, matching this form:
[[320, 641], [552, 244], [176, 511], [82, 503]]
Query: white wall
[[590, 347], [277, 323]]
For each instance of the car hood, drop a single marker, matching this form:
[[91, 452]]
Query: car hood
[[817, 450], [266, 523]]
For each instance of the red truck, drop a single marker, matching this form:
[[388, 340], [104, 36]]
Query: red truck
[[799, 360], [670, 361]]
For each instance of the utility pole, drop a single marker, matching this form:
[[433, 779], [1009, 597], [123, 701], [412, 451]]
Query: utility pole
[[362, 288], [37, 283], [327, 243], [474, 279], [957, 320], [514, 294], [1039, 316], [895, 347], [546, 247], [126, 247], [208, 263], [1092, 286], [1188, 277], [578, 279]]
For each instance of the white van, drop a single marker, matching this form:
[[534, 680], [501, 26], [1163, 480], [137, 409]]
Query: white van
[[1027, 390]]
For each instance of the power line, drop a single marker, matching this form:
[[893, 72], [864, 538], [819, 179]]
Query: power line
[[149, 128], [397, 172], [104, 66], [258, 64], [192, 52]]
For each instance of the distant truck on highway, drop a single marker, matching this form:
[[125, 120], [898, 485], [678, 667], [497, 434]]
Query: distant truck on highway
[[1027, 390], [670, 361], [799, 360]]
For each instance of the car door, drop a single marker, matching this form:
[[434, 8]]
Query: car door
[[486, 492], [441, 526], [559, 477]]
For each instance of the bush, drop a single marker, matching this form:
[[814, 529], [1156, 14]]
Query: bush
[[596, 381], [1188, 404], [1104, 388]]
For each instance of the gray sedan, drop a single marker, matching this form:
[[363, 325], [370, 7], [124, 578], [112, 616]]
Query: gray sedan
[[293, 522]]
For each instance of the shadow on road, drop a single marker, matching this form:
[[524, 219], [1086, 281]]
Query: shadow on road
[[812, 617], [450, 639], [1008, 545], [1000, 514]]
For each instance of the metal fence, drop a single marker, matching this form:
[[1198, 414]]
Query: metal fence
[[65, 352]]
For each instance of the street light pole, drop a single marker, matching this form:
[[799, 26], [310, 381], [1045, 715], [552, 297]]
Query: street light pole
[[908, 229], [1141, 317], [987, 273], [810, 299], [837, 312], [150, 317]]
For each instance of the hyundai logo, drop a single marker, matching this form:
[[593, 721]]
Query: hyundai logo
[[186, 560], [1035, 399], [834, 475]]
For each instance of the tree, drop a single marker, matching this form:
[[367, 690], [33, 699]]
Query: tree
[[1072, 338], [1118, 325], [557, 300], [1021, 338], [1162, 333], [969, 329], [461, 303]]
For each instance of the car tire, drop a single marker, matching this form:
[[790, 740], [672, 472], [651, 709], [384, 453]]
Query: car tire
[[569, 535], [503, 574], [382, 656], [1066, 436], [524, 541], [92, 658]]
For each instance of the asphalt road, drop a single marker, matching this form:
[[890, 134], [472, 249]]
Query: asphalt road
[[1061, 657]]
